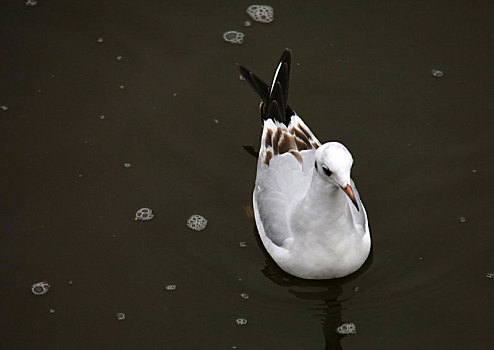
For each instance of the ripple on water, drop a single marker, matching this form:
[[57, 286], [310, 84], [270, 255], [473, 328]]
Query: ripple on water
[[171, 287], [40, 288], [197, 222], [347, 328], [144, 214], [241, 321], [234, 37], [261, 13], [437, 73]]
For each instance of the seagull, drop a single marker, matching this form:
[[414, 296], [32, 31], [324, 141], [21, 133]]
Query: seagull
[[307, 208]]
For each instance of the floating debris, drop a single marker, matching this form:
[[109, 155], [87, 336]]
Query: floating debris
[[122, 87], [243, 244], [101, 117], [241, 77], [247, 24], [197, 222], [40, 288], [248, 209], [174, 94], [4, 108], [144, 214], [79, 176], [127, 165], [70, 282], [31, 3], [437, 73], [261, 13], [245, 296], [100, 40], [216, 121], [119, 58], [234, 37], [489, 275], [241, 321], [474, 171], [347, 328], [171, 287], [120, 316], [356, 288], [52, 311], [462, 219]]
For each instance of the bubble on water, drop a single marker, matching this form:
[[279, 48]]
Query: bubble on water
[[247, 24], [197, 222], [261, 13], [234, 37], [144, 214], [31, 3], [462, 219], [100, 40], [70, 282], [171, 287], [245, 296], [489, 275], [437, 73], [40, 288], [241, 321], [216, 121], [243, 244], [122, 87], [346, 328], [101, 117], [52, 311], [119, 58], [120, 316], [474, 171], [79, 176], [127, 165], [174, 94], [4, 108]]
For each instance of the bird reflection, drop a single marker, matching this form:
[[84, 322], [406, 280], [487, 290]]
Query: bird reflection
[[327, 292]]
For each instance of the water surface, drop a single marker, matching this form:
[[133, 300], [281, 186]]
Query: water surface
[[361, 75]]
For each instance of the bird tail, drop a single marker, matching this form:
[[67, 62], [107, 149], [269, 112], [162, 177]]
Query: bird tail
[[274, 98]]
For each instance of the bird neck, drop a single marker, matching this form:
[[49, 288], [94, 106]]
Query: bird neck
[[323, 206]]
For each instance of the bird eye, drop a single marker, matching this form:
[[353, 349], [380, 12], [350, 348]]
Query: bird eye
[[326, 170]]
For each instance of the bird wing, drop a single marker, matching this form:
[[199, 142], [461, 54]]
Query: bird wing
[[284, 171]]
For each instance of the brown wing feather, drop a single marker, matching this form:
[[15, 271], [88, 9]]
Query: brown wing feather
[[280, 139]]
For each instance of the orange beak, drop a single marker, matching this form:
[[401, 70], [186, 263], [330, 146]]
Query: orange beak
[[349, 192]]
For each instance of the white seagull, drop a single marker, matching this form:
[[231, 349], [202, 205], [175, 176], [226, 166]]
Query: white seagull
[[307, 209]]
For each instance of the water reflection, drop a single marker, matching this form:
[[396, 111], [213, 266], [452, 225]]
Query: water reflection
[[327, 292]]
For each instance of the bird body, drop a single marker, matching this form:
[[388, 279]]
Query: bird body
[[307, 209]]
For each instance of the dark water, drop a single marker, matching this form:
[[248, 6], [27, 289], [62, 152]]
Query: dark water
[[423, 159]]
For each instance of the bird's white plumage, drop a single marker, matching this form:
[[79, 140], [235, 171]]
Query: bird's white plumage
[[309, 226]]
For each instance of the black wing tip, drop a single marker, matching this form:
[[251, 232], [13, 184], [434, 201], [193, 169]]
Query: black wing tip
[[286, 56], [274, 99]]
